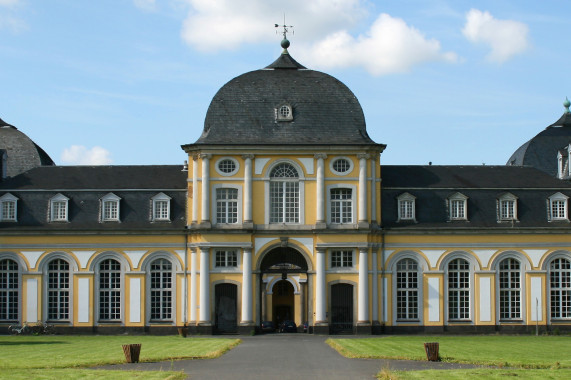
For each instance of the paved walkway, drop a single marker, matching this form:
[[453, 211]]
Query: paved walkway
[[284, 356]]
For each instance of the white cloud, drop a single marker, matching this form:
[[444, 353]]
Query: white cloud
[[506, 38], [80, 155], [145, 5], [390, 46], [213, 25]]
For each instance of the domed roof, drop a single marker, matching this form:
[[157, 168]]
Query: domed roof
[[284, 104], [541, 151], [22, 153]]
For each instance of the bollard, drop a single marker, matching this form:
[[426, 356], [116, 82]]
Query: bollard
[[132, 352], [431, 351]]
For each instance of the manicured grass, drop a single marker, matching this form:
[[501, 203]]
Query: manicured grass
[[527, 374], [61, 356], [495, 350]]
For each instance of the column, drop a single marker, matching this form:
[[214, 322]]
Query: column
[[247, 287], [193, 286], [373, 191], [320, 196], [205, 187], [204, 286], [248, 188], [194, 188], [362, 188], [320, 291], [375, 287], [363, 310]]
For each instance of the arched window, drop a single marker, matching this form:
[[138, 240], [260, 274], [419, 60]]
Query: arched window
[[510, 289], [161, 289], [459, 289], [284, 194], [407, 290], [58, 290], [560, 288], [9, 290], [109, 276]]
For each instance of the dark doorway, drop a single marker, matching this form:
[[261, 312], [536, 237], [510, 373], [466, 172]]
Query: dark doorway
[[226, 309], [341, 308], [283, 302]]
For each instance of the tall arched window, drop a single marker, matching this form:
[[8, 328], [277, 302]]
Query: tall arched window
[[560, 288], [459, 289], [161, 289], [510, 289], [407, 290], [58, 290], [109, 290], [284, 194], [9, 290]]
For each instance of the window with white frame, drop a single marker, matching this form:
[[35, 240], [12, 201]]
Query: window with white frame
[[284, 112], [161, 207], [110, 208], [341, 259], [226, 259], [9, 290], [458, 207], [226, 205], [161, 289], [560, 288], [284, 194], [341, 165], [227, 166], [109, 280], [58, 290], [557, 207], [458, 289], [407, 289], [8, 208], [406, 207], [510, 289], [341, 205], [508, 207], [59, 208]]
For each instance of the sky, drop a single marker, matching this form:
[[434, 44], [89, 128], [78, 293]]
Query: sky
[[127, 82]]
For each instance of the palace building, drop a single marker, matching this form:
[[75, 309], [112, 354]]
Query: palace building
[[285, 212]]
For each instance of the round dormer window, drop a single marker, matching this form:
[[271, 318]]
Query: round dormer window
[[227, 166], [284, 112]]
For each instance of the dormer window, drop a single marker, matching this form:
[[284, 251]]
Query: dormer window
[[161, 208], [110, 208], [58, 208], [507, 207], [284, 112], [8, 209], [458, 208], [406, 207], [557, 207]]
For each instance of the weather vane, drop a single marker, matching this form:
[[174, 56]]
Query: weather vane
[[286, 28]]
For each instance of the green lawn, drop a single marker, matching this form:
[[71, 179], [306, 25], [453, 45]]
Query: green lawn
[[488, 374], [28, 357], [496, 350]]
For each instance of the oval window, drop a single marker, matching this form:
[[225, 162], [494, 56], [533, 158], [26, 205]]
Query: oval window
[[227, 166]]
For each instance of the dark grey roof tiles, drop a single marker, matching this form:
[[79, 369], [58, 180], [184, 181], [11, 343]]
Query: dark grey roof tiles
[[22, 153]]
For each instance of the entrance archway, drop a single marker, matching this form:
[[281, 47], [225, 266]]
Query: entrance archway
[[283, 285]]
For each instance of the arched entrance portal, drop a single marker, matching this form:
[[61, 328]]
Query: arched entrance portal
[[283, 284]]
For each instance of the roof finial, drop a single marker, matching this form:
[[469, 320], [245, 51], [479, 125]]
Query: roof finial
[[566, 104], [285, 41]]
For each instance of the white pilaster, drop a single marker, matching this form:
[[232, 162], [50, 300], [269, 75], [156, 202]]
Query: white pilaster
[[320, 196], [248, 187], [363, 287], [205, 187], [193, 286], [195, 188], [204, 286], [247, 286], [32, 300], [362, 188], [373, 191], [375, 289], [320, 316]]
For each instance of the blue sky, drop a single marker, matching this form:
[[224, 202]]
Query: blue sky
[[127, 82]]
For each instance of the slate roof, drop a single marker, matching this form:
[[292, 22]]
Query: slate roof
[[243, 111], [86, 185], [541, 151], [432, 185]]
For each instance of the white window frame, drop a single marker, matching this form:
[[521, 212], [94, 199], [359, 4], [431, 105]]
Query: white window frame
[[239, 201], [406, 199], [408, 290], [353, 201], [229, 174], [226, 268], [110, 198], [301, 192], [99, 289], [10, 293], [455, 201], [560, 275], [160, 199], [279, 114], [503, 200], [61, 293], [164, 292], [335, 159], [6, 200], [345, 254], [557, 202], [513, 293], [468, 289], [58, 202]]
